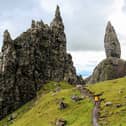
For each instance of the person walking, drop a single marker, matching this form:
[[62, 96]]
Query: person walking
[[96, 99]]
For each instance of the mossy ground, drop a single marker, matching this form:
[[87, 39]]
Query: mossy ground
[[44, 111], [113, 91]]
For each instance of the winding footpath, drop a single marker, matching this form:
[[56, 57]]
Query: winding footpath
[[95, 112], [95, 116]]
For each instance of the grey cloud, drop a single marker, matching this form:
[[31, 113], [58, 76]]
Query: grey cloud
[[84, 29], [12, 4], [124, 7]]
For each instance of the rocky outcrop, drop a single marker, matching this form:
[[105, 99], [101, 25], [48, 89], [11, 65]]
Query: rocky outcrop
[[108, 69], [35, 57], [111, 42], [112, 67]]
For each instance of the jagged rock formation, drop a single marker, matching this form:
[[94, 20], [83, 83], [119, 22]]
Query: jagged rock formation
[[32, 59], [112, 67], [111, 42]]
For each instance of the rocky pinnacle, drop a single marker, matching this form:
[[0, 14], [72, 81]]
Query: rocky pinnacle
[[111, 42], [7, 36], [57, 22], [112, 67]]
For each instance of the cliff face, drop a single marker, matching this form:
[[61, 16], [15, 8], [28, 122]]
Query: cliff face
[[112, 67], [35, 57]]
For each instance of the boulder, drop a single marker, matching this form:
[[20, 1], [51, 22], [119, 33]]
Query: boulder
[[79, 86], [118, 105], [120, 91], [76, 98], [62, 105], [108, 103], [61, 122], [12, 116]]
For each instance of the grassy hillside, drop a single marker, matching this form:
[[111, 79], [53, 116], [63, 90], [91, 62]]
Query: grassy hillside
[[44, 110], [115, 92]]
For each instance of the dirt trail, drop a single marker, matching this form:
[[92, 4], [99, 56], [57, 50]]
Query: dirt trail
[[95, 116], [95, 112]]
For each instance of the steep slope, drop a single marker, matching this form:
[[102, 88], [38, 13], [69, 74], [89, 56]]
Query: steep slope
[[45, 110], [113, 106]]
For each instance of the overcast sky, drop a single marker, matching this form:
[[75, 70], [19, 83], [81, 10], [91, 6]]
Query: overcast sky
[[84, 21]]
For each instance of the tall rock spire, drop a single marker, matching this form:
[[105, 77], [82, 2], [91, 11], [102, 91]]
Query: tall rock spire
[[7, 37], [7, 40], [57, 21], [112, 67], [57, 13], [111, 42]]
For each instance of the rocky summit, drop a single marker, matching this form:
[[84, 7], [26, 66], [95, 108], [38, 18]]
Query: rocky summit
[[112, 67], [35, 57]]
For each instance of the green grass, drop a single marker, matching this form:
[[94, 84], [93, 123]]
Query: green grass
[[115, 92], [44, 111], [51, 86]]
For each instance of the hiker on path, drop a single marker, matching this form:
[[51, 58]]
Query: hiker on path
[[96, 99]]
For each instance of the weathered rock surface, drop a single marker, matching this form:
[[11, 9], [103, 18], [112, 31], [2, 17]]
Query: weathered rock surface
[[111, 42], [75, 98], [108, 69], [112, 67], [32, 59]]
